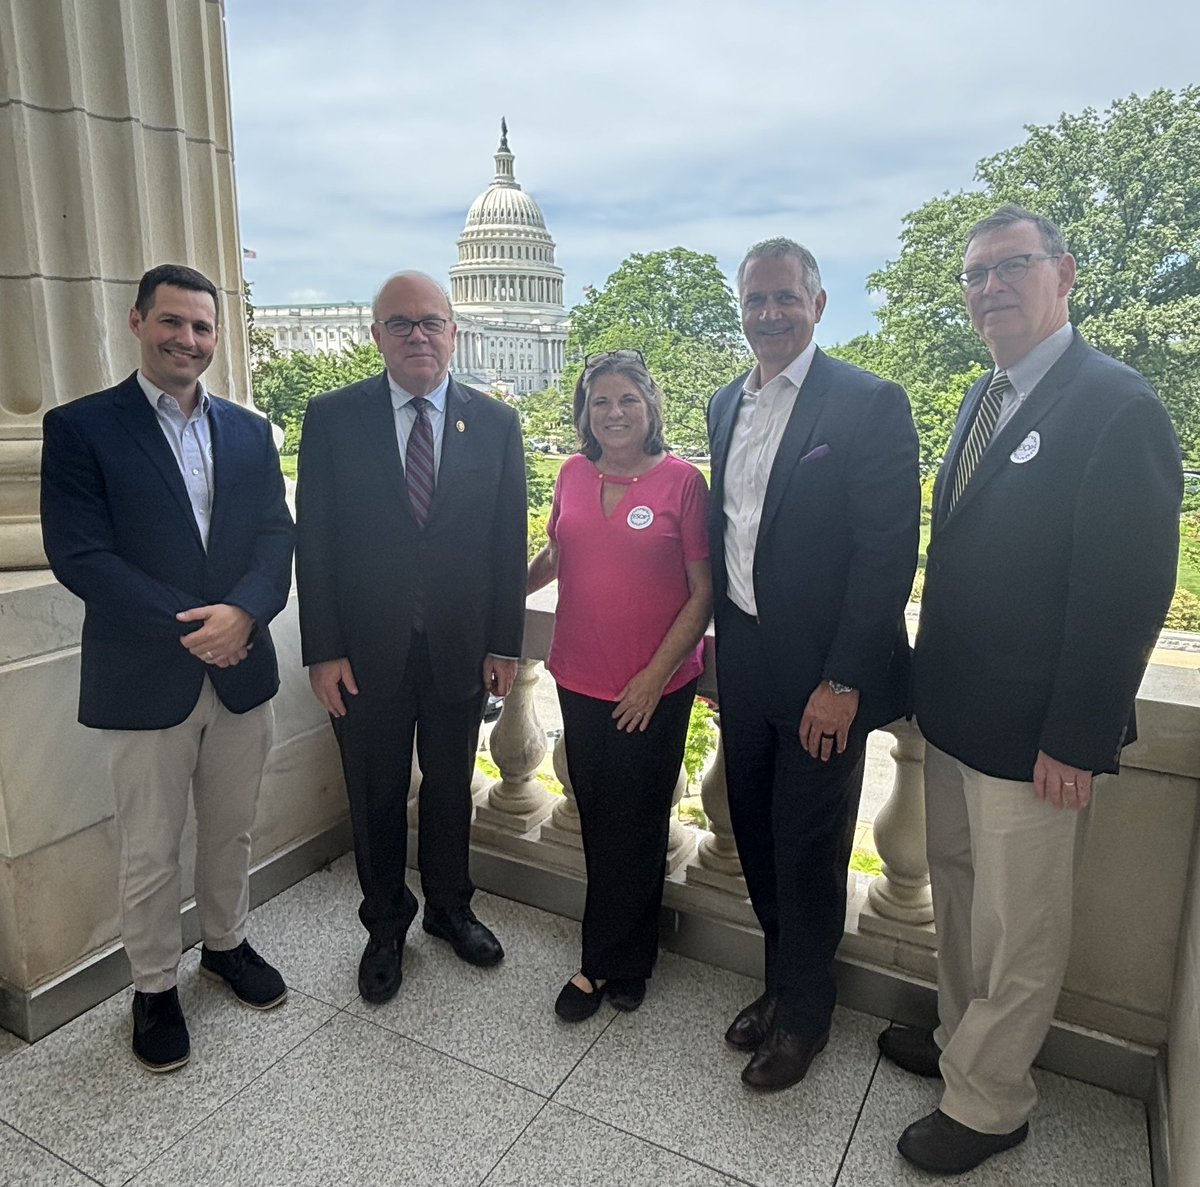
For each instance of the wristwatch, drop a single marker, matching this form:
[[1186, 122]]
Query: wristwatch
[[840, 689]]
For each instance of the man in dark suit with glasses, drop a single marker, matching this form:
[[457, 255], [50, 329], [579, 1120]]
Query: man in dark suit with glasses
[[410, 568]]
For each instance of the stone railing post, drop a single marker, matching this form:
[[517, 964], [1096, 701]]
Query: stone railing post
[[681, 840], [517, 801], [901, 892], [717, 863]]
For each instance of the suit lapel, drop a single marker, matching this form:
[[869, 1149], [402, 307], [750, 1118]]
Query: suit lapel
[[727, 412], [1045, 395], [140, 422], [381, 450], [455, 442], [810, 400]]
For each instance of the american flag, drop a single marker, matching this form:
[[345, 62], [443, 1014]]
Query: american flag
[[248, 253]]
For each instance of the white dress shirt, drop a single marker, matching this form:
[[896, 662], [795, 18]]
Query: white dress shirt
[[406, 416], [762, 416], [190, 439]]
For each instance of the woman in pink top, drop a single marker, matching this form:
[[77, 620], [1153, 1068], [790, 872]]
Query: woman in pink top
[[628, 544]]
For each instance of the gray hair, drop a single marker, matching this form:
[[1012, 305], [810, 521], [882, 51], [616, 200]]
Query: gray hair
[[780, 249], [633, 369], [411, 275], [1053, 243]]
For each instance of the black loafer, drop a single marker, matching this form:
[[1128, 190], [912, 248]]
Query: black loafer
[[752, 1025], [912, 1049], [942, 1146], [470, 939], [577, 1005], [160, 1035], [782, 1060], [379, 974], [625, 993], [254, 982]]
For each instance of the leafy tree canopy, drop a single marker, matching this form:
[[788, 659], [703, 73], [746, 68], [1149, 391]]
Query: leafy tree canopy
[[1124, 185]]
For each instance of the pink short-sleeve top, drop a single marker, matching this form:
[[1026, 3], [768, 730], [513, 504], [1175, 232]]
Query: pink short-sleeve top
[[622, 578]]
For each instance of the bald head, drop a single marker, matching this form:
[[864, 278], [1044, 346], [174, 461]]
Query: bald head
[[414, 330]]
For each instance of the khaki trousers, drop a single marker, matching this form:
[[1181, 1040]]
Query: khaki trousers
[[1002, 865], [220, 756]]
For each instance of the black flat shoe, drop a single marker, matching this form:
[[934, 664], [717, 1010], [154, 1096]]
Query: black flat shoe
[[752, 1025], [577, 1005], [471, 940], [625, 993]]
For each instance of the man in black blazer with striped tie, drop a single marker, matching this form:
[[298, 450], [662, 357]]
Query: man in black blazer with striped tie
[[1050, 569], [410, 568]]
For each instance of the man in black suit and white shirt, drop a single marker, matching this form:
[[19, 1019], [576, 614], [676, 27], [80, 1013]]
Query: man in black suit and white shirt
[[1050, 569], [410, 565], [814, 527]]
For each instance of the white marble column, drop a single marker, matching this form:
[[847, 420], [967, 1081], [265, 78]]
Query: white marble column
[[717, 863], [115, 155], [901, 893], [518, 801]]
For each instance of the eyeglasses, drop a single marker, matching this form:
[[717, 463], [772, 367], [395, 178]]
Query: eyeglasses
[[1009, 271], [402, 327], [600, 356]]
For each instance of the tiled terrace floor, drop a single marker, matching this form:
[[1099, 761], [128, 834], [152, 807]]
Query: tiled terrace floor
[[467, 1078]]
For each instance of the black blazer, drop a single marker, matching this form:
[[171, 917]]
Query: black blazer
[[1047, 584], [837, 543], [120, 534], [360, 551]]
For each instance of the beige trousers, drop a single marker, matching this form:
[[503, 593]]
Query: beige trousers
[[1002, 865], [220, 756]]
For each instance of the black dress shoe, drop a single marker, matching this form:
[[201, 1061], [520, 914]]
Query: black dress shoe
[[577, 1005], [379, 974], [253, 981], [912, 1049], [473, 942], [782, 1060], [753, 1024], [160, 1035], [942, 1146], [625, 993]]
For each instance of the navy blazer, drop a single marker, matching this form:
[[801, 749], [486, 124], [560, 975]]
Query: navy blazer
[[1047, 585], [120, 533], [837, 541], [360, 552]]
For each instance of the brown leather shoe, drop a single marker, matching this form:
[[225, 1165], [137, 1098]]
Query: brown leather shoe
[[747, 1031], [912, 1049], [783, 1059], [943, 1146]]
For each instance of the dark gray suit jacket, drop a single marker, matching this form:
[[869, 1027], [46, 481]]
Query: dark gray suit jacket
[[1047, 584], [360, 553]]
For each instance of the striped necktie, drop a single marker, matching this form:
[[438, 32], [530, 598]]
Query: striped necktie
[[981, 432], [418, 462]]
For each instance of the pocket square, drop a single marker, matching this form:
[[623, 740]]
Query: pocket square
[[813, 454]]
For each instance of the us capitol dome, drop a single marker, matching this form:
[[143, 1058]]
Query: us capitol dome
[[506, 289]]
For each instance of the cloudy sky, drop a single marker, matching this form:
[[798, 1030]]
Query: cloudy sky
[[364, 128]]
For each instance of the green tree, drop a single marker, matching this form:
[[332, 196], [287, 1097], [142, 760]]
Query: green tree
[[677, 309], [1124, 184]]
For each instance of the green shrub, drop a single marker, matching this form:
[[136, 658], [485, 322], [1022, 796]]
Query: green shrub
[[918, 586], [701, 738], [1184, 614], [864, 861]]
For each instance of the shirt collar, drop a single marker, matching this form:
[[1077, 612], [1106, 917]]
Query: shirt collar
[[795, 372], [437, 397], [1027, 373], [155, 394]]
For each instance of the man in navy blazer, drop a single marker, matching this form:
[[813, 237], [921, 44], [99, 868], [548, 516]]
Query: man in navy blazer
[[163, 509], [1050, 569], [814, 528], [410, 567]]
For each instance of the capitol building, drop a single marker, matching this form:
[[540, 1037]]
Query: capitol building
[[506, 290]]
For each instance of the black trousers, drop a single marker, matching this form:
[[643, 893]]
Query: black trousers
[[623, 784], [376, 741], [793, 819]]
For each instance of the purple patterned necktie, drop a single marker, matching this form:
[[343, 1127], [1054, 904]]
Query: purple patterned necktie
[[418, 462]]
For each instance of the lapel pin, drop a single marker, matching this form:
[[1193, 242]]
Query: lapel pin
[[458, 424], [1028, 449]]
